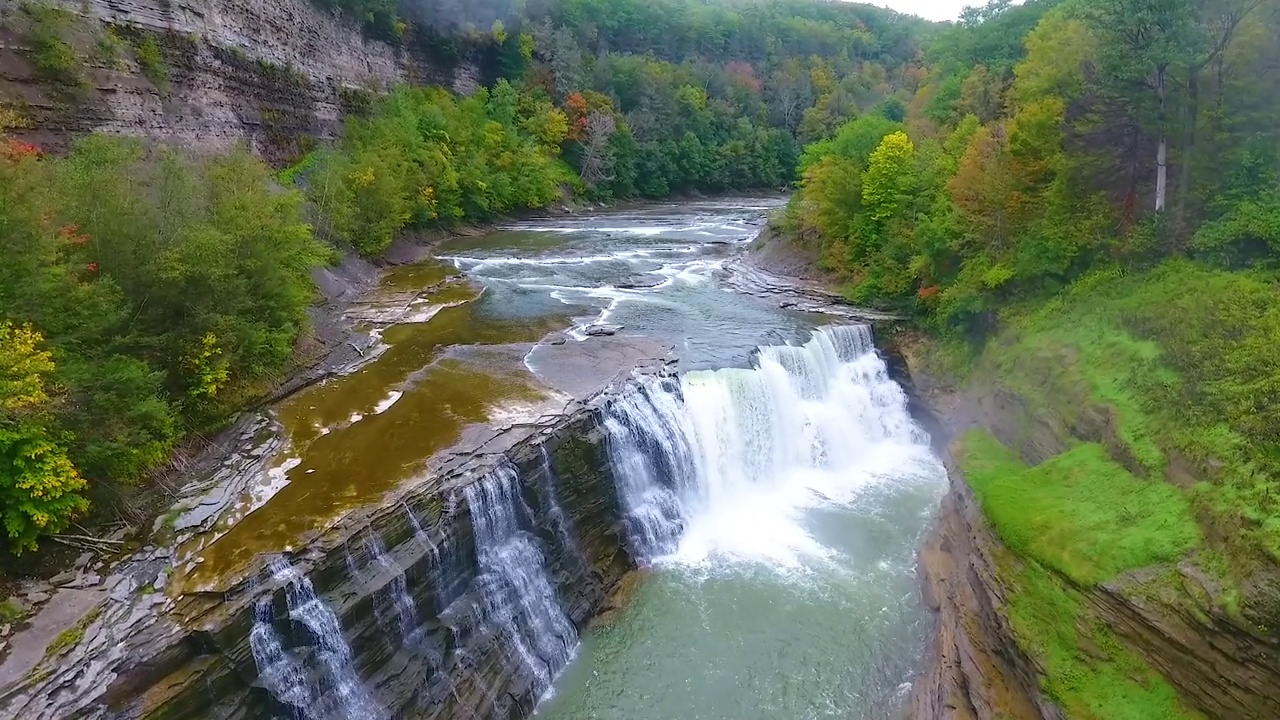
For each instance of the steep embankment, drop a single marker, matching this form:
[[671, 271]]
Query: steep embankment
[[1105, 551], [203, 73]]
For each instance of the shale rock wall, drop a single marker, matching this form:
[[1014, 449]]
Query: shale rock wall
[[275, 73], [197, 662]]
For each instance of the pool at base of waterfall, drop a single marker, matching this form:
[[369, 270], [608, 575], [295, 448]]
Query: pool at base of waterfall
[[780, 508], [777, 488]]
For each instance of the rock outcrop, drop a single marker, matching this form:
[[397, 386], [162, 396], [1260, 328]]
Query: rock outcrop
[[278, 74], [149, 656]]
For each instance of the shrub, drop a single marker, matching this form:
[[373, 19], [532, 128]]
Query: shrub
[[151, 60], [54, 58]]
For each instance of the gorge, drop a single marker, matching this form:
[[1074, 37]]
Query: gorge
[[782, 488], [330, 389]]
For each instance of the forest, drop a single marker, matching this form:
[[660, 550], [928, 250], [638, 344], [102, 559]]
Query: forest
[[149, 294], [1050, 140]]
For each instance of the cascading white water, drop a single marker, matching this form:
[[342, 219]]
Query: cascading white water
[[340, 695], [651, 448], [726, 463], [512, 590], [278, 671]]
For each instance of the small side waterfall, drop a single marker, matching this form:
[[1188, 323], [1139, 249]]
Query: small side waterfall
[[279, 673], [720, 459], [339, 694], [395, 600], [514, 595]]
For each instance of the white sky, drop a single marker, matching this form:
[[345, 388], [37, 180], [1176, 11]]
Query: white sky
[[931, 9]]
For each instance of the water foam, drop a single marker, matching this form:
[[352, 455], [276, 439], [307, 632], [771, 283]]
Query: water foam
[[728, 465]]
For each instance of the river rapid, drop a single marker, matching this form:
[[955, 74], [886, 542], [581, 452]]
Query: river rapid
[[776, 490]]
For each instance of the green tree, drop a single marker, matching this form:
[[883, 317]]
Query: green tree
[[39, 487]]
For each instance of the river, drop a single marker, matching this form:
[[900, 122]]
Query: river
[[777, 490]]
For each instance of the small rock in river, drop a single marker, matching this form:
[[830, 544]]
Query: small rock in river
[[602, 329]]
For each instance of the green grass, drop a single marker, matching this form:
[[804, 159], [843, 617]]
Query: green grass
[[71, 636], [11, 613], [1183, 358], [1079, 512], [1068, 366], [1088, 671]]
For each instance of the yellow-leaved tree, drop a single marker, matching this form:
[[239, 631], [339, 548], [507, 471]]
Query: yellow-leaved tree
[[39, 487]]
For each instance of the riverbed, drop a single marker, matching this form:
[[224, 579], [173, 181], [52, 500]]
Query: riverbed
[[782, 577]]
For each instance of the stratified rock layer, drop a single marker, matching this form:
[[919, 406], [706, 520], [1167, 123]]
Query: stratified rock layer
[[195, 662], [277, 74]]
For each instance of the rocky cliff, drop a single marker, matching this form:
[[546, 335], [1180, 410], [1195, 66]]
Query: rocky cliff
[[197, 73], [400, 585]]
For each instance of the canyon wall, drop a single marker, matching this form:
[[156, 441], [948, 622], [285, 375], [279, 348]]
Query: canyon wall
[[276, 73]]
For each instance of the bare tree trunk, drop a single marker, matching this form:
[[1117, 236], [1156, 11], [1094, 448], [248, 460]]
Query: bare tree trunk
[[1162, 150]]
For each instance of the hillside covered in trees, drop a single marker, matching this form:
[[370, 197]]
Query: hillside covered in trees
[[148, 294]]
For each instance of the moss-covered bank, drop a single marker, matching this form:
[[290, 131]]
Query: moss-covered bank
[[1120, 443]]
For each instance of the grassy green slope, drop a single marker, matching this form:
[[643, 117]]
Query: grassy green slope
[[1166, 385]]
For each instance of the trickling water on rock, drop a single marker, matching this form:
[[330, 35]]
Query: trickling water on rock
[[514, 595], [339, 694], [560, 523]]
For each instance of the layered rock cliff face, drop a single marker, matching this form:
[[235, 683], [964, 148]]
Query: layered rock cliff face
[[1222, 664], [200, 73], [402, 585]]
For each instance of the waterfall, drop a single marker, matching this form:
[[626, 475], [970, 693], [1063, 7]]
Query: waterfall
[[722, 462], [514, 596], [651, 448], [278, 672], [403, 610], [340, 694]]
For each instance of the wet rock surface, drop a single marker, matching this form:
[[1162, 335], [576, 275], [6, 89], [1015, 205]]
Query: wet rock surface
[[747, 275]]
